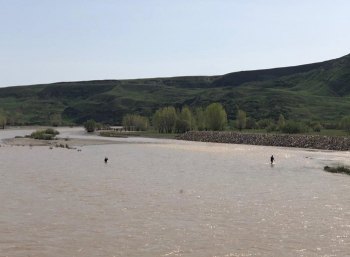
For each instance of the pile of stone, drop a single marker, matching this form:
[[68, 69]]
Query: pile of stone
[[300, 141]]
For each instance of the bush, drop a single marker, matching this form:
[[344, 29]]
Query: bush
[[265, 123], [292, 127], [51, 131], [317, 128], [251, 123], [40, 134], [271, 127], [90, 125], [338, 169]]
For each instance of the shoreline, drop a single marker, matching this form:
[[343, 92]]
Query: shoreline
[[280, 140], [72, 142]]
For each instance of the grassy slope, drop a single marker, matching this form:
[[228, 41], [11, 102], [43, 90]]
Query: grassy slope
[[318, 91]]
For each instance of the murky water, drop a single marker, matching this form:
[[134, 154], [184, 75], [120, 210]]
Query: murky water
[[171, 198]]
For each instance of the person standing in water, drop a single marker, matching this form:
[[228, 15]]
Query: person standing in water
[[106, 159], [272, 159]]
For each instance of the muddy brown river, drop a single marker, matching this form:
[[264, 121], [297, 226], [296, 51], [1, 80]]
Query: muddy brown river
[[159, 197]]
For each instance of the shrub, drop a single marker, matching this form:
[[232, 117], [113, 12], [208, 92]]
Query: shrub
[[265, 123], [291, 127], [40, 134], [271, 127], [98, 126], [51, 131], [317, 128], [338, 169], [90, 125]]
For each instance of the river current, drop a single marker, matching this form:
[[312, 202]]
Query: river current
[[159, 197]]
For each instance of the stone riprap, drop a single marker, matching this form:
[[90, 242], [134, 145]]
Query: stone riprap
[[300, 141]]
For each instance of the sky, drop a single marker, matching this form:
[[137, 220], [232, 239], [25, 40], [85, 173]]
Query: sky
[[47, 41]]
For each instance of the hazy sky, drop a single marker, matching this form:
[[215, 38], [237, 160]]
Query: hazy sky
[[72, 40]]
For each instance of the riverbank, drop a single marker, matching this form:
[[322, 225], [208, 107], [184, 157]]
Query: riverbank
[[299, 141], [57, 142]]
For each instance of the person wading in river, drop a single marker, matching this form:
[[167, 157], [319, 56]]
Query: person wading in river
[[272, 159]]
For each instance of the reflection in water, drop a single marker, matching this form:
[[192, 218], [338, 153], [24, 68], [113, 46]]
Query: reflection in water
[[172, 198]]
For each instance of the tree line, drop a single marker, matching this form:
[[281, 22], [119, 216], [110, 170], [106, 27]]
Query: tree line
[[213, 117], [169, 119]]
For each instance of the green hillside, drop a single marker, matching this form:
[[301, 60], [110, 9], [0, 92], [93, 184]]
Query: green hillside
[[319, 91]]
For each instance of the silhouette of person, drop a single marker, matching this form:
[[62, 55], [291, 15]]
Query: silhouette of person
[[272, 159], [106, 159]]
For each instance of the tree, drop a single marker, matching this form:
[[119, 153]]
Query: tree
[[56, 119], [200, 118], [216, 117], [164, 119], [156, 120], [241, 119], [281, 122], [251, 123], [345, 123], [169, 118], [2, 121], [135, 122], [127, 122], [90, 125], [264, 123], [316, 126], [183, 123]]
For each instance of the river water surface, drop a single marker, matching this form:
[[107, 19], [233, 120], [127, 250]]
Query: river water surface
[[160, 197]]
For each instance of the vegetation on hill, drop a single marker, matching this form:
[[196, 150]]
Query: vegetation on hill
[[318, 91]]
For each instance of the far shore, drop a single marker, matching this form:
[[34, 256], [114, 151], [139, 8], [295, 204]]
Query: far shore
[[56, 142], [70, 142], [335, 143]]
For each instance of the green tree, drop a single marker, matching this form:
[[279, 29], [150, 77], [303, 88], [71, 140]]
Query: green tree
[[216, 117], [316, 126], [251, 123], [264, 123], [293, 127], [281, 122], [2, 121], [90, 125], [156, 120], [241, 119], [200, 118], [127, 122], [56, 119], [135, 122], [345, 123], [164, 119], [183, 123], [169, 116]]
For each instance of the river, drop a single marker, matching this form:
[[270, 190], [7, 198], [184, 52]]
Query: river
[[161, 197]]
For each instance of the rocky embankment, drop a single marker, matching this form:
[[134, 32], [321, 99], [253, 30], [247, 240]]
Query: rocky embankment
[[300, 141]]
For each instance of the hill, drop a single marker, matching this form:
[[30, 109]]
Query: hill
[[318, 91]]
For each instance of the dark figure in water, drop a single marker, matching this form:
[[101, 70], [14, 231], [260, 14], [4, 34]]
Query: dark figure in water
[[272, 159], [106, 159]]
